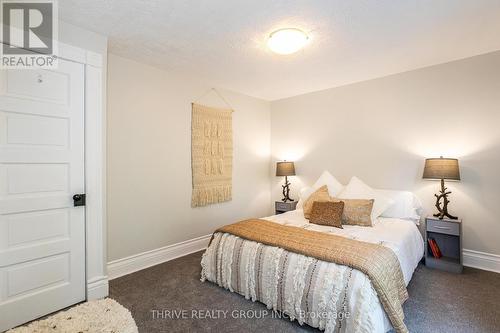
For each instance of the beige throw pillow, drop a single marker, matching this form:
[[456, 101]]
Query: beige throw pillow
[[327, 213], [320, 195], [357, 211]]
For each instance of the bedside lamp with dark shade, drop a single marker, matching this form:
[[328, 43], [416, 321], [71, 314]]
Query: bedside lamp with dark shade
[[442, 168], [285, 169]]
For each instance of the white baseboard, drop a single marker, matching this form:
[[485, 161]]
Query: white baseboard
[[124, 266], [481, 260], [97, 288]]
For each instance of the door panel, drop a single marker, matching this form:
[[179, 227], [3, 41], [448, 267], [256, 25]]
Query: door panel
[[33, 178], [38, 84], [42, 236], [26, 228], [37, 274], [35, 130]]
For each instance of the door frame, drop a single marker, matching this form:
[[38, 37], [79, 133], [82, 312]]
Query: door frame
[[95, 168]]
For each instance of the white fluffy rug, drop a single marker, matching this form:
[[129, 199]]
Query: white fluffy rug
[[102, 316]]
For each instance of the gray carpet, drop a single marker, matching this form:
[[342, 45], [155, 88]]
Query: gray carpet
[[439, 302]]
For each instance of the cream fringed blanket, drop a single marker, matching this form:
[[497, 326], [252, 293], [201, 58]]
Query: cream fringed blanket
[[377, 262], [211, 155]]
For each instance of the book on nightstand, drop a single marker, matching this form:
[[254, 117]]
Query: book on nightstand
[[436, 252]]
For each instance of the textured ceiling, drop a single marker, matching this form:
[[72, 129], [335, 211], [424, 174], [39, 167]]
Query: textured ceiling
[[223, 41]]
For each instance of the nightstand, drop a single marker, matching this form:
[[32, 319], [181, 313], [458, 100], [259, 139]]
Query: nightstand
[[283, 207], [448, 236]]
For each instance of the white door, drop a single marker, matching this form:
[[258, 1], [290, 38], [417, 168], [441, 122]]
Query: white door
[[42, 235]]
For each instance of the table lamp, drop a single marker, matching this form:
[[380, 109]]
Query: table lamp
[[285, 169], [442, 168]]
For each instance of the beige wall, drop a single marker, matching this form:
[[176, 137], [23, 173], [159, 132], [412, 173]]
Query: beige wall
[[381, 130], [149, 159]]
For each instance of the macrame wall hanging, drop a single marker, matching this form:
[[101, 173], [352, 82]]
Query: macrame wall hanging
[[211, 153]]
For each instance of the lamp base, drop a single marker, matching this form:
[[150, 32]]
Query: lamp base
[[442, 215], [443, 211], [286, 191]]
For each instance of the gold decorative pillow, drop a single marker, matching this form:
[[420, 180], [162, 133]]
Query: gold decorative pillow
[[320, 195], [327, 213], [357, 212]]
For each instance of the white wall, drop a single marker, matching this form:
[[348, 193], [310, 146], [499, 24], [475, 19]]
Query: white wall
[[381, 130], [149, 159]]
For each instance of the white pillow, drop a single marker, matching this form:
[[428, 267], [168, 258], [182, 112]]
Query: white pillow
[[334, 186], [356, 189], [406, 205], [304, 193]]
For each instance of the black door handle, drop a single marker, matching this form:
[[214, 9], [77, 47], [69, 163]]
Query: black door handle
[[79, 200]]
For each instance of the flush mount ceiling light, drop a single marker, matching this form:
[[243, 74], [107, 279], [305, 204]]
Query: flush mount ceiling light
[[287, 41]]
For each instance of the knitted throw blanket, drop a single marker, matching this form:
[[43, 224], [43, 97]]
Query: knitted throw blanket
[[379, 263], [211, 155]]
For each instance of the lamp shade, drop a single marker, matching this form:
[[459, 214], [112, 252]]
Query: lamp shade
[[285, 169], [441, 168]]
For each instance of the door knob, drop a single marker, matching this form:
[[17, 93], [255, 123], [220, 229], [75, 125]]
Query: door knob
[[79, 200]]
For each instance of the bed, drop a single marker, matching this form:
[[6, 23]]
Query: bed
[[345, 301], [351, 278]]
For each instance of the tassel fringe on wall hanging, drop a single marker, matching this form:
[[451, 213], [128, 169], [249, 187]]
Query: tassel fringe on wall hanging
[[211, 155]]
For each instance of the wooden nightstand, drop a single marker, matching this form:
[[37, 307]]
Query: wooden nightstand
[[448, 236], [283, 207]]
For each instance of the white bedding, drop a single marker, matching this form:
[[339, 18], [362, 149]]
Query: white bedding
[[402, 236]]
